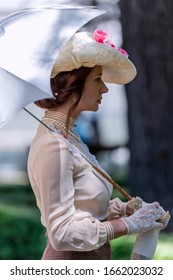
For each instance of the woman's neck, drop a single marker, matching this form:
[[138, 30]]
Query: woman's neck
[[60, 116], [64, 109]]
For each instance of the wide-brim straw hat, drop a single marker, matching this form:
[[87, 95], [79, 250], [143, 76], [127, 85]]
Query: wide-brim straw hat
[[83, 50]]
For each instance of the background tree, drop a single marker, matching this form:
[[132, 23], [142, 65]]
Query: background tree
[[147, 35]]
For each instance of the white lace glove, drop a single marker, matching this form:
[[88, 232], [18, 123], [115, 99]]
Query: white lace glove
[[144, 219], [146, 243], [118, 209], [165, 214]]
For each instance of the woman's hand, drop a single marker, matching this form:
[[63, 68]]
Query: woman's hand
[[118, 209], [144, 219], [165, 215]]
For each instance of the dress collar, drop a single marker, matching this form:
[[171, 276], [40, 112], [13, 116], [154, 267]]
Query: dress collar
[[60, 117]]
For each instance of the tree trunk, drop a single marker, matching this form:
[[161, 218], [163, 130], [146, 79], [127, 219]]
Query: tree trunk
[[148, 37]]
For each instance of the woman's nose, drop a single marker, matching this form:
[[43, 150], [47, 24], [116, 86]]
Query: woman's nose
[[104, 88]]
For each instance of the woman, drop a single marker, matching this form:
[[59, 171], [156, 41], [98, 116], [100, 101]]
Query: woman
[[73, 198]]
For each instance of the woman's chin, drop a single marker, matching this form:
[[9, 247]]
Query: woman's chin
[[92, 109]]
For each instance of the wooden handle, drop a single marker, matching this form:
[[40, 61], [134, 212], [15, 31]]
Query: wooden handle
[[164, 218], [116, 186]]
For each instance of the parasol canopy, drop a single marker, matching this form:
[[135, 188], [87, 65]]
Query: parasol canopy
[[30, 41]]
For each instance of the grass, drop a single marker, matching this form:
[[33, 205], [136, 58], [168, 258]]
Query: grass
[[164, 249]]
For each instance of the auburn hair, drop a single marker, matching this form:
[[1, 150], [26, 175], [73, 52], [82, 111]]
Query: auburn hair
[[62, 86]]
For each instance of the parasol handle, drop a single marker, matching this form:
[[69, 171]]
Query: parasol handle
[[115, 185]]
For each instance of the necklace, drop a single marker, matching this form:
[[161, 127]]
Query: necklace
[[61, 126], [58, 120]]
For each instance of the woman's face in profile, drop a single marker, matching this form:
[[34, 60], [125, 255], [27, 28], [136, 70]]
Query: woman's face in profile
[[94, 87]]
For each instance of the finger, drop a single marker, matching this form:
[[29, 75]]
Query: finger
[[156, 204], [157, 225]]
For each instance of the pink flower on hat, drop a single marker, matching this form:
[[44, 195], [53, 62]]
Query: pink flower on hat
[[103, 37], [123, 52]]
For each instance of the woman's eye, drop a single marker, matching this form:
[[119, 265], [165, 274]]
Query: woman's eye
[[98, 80]]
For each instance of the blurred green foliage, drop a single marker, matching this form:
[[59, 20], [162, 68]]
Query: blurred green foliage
[[22, 237]]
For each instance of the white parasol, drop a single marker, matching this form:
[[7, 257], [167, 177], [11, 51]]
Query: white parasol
[[30, 41]]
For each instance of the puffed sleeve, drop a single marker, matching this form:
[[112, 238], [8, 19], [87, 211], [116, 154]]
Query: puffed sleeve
[[52, 170], [117, 209]]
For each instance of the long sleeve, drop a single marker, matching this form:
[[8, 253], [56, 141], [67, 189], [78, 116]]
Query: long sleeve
[[51, 171], [117, 209]]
